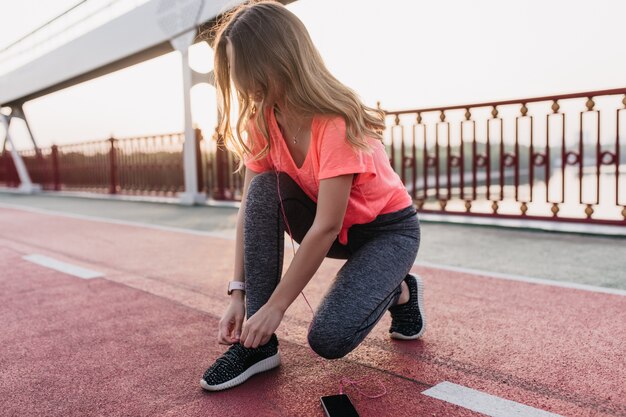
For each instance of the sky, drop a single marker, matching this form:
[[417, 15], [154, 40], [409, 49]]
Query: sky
[[406, 54]]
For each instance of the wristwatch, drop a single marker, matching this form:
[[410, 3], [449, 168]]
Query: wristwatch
[[236, 285]]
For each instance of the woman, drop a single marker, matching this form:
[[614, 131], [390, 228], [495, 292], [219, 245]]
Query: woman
[[317, 168]]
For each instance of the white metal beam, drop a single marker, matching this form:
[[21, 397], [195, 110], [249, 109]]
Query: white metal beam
[[142, 33], [191, 195], [26, 186]]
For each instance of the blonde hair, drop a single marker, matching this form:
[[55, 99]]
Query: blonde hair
[[274, 53]]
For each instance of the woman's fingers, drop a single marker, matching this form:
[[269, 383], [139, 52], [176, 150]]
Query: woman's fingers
[[244, 334], [258, 339], [220, 337], [237, 329], [224, 335], [251, 337], [223, 327]]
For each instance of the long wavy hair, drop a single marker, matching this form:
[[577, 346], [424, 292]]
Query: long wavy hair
[[274, 54]]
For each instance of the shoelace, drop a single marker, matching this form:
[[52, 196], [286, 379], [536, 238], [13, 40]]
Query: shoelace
[[231, 356]]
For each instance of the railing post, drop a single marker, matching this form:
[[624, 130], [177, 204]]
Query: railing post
[[56, 178], [113, 167], [12, 175], [2, 166], [199, 164], [221, 164], [4, 171]]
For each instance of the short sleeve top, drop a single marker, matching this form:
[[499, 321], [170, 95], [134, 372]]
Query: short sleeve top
[[377, 188]]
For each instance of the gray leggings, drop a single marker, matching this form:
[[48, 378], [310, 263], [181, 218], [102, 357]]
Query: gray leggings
[[379, 255]]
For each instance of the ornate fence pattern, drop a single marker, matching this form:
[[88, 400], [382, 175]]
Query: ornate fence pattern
[[151, 165], [552, 158]]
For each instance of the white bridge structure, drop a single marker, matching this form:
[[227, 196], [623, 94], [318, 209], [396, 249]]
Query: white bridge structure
[[95, 38]]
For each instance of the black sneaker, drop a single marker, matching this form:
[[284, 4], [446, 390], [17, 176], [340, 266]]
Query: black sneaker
[[407, 320], [239, 363]]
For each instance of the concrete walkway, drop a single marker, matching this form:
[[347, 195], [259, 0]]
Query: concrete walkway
[[106, 317], [563, 257]]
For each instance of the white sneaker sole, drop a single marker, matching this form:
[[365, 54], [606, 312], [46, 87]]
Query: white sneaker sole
[[420, 306], [262, 366]]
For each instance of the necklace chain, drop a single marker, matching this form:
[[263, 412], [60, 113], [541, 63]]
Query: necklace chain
[[295, 138]]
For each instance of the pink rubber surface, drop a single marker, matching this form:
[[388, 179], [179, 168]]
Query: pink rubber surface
[[137, 341]]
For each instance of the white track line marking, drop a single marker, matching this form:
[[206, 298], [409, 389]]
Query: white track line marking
[[229, 234], [482, 402], [65, 267], [512, 277]]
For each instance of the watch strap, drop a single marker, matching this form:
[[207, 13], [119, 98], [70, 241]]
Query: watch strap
[[236, 285]]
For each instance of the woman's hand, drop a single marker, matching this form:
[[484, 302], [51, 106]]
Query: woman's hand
[[259, 328], [231, 322]]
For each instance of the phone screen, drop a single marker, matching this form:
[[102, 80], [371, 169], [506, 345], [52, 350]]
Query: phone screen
[[338, 406]]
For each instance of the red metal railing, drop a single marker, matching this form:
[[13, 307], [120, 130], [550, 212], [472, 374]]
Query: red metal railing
[[150, 165], [137, 166], [218, 168], [552, 158]]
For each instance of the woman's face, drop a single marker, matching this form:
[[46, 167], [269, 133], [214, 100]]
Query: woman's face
[[257, 96]]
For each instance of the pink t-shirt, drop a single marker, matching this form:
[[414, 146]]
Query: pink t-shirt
[[377, 189]]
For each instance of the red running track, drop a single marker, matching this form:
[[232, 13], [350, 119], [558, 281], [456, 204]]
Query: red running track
[[135, 342]]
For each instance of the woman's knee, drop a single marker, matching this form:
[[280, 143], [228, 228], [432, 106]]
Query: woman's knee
[[327, 344], [262, 193], [266, 185], [262, 183]]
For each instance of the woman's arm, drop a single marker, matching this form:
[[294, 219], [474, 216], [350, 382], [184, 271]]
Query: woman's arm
[[232, 320], [331, 208]]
